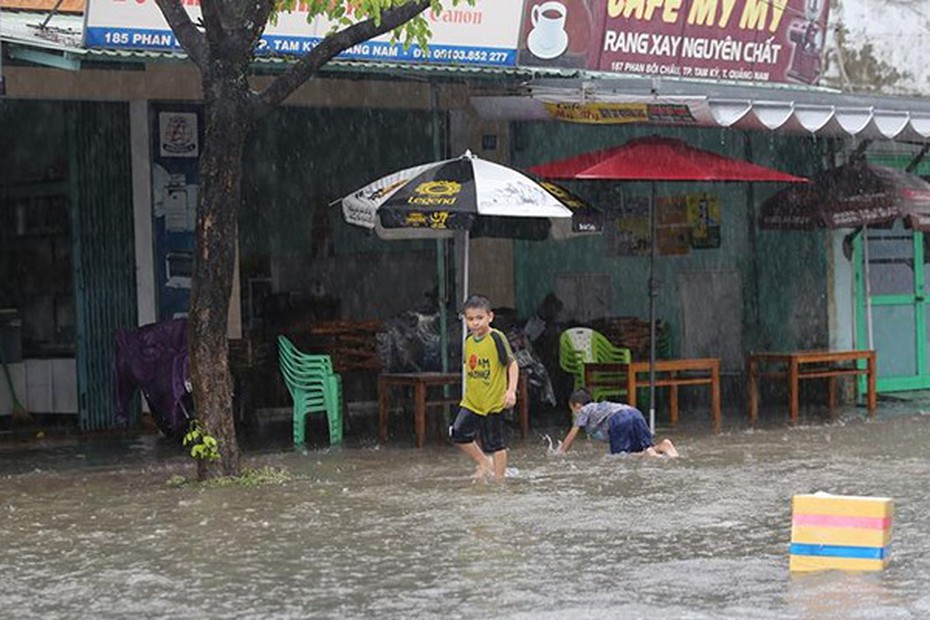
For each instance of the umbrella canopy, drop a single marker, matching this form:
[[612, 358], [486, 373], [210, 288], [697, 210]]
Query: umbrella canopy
[[857, 194], [465, 193], [656, 158], [850, 196]]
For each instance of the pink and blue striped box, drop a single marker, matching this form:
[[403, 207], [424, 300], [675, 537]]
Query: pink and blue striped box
[[840, 532]]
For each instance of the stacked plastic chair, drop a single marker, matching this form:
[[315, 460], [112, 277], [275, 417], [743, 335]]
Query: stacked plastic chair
[[581, 345], [314, 388]]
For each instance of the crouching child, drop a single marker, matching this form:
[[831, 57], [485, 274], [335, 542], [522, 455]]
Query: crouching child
[[621, 426]]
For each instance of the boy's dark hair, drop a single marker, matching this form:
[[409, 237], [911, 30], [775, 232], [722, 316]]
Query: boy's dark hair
[[477, 302], [580, 397]]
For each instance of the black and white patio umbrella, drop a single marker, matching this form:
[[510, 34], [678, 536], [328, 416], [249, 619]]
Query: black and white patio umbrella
[[470, 194]]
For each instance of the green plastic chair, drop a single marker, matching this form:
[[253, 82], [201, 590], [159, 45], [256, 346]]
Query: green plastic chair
[[314, 387], [311, 362], [581, 345]]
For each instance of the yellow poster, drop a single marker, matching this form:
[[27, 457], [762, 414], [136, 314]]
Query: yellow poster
[[672, 225], [632, 228], [704, 220]]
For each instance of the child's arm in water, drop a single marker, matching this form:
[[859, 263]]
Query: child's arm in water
[[567, 442]]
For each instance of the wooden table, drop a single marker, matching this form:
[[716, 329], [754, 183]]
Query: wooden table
[[798, 365], [421, 382], [698, 371]]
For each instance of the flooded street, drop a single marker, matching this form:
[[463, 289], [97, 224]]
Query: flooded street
[[396, 532]]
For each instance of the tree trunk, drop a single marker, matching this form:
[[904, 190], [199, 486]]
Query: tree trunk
[[228, 119], [222, 46]]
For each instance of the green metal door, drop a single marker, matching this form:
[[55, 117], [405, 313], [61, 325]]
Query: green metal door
[[894, 298], [102, 250]]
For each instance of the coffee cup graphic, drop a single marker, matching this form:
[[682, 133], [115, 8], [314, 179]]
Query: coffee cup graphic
[[548, 38]]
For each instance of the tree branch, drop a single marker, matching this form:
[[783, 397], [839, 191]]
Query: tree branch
[[212, 14], [191, 39], [258, 19], [309, 64]]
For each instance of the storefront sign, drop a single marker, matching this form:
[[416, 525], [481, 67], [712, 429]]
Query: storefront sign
[[752, 40], [484, 34], [737, 40]]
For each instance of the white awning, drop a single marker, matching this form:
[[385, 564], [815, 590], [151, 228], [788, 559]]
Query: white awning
[[59, 32], [811, 111]]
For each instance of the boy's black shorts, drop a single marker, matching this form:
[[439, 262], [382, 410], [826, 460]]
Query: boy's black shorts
[[489, 429]]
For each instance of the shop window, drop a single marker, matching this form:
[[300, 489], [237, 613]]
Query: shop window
[[35, 266]]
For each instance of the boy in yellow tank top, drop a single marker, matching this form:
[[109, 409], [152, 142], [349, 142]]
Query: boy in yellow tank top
[[490, 387]]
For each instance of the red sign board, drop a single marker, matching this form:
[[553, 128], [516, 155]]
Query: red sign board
[[741, 40]]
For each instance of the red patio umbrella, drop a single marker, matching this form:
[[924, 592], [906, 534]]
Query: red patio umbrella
[[857, 194], [655, 159]]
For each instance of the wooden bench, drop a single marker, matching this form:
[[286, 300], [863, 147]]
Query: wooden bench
[[669, 373], [799, 365], [422, 400]]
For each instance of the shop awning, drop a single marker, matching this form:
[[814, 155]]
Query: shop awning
[[43, 38], [811, 111]]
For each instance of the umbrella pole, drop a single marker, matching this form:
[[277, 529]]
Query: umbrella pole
[[464, 299], [443, 300], [868, 289], [653, 292], [465, 268], [442, 293]]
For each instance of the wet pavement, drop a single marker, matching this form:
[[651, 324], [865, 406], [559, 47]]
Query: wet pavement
[[92, 529]]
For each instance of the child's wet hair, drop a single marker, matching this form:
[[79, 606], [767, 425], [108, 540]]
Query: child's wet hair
[[477, 302], [580, 397]]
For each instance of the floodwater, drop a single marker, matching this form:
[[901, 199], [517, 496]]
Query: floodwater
[[396, 532]]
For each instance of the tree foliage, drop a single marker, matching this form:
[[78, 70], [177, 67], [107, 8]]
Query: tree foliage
[[223, 44]]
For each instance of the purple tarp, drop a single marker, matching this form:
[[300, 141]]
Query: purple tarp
[[154, 359]]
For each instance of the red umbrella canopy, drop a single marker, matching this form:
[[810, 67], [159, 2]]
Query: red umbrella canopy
[[855, 194], [659, 159]]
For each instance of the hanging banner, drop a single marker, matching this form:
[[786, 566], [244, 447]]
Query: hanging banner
[[621, 113]]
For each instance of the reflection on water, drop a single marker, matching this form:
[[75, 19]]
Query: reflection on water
[[399, 532]]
